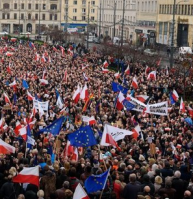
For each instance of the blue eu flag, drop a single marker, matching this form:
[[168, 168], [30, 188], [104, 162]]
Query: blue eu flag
[[53, 128], [25, 84], [188, 120], [96, 182], [117, 88], [83, 137], [128, 105]]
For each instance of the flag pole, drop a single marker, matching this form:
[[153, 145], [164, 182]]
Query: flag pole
[[104, 185], [25, 148]]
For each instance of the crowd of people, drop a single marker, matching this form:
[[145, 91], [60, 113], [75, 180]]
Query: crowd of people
[[135, 171]]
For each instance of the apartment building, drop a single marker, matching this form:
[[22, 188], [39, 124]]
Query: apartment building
[[183, 27], [146, 16]]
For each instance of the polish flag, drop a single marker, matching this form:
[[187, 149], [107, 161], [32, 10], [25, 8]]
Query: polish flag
[[110, 140], [74, 156], [65, 76], [105, 70], [84, 93], [43, 82], [117, 75], [142, 98], [63, 110], [43, 59], [8, 54], [6, 148], [17, 128], [158, 61], [134, 83], [44, 74], [69, 149], [105, 64], [127, 71], [54, 49], [2, 121], [190, 110], [120, 99], [136, 131], [13, 39], [12, 49], [182, 106], [23, 132], [80, 193], [175, 95], [70, 52], [147, 69], [37, 57], [34, 111], [9, 69], [29, 96], [31, 123], [7, 100], [46, 54], [13, 84], [5, 48], [28, 175], [76, 95], [152, 76], [90, 120], [62, 50]]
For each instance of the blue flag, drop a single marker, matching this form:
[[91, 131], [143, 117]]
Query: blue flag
[[172, 99], [96, 182], [42, 165], [128, 105], [117, 88], [37, 98], [53, 158], [83, 137], [53, 128], [188, 120], [31, 45], [25, 84], [14, 98]]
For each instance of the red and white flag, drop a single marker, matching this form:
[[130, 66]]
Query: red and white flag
[[6, 148], [17, 128], [142, 98], [63, 110], [5, 48], [120, 99], [117, 75], [76, 95], [37, 57], [105, 64], [152, 75], [190, 110], [134, 83], [69, 149], [105, 70], [90, 120], [70, 52], [80, 193], [147, 69], [182, 106], [84, 93], [175, 95], [13, 84], [28, 175], [7, 100], [43, 59], [127, 71], [13, 39], [54, 49], [29, 96], [62, 50], [136, 131], [9, 68], [23, 132], [43, 82], [65, 76], [8, 54], [49, 59], [74, 156], [2, 121]]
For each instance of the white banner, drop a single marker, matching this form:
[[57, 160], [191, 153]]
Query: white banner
[[115, 132], [158, 109], [139, 106], [44, 105]]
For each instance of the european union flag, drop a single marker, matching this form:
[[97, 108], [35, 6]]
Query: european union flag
[[172, 99], [128, 105], [14, 98], [25, 84], [117, 88], [188, 120], [53, 128], [83, 137], [96, 182]]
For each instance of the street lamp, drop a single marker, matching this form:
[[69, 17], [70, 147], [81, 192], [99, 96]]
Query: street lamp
[[39, 19], [100, 8], [173, 30], [114, 20], [88, 25]]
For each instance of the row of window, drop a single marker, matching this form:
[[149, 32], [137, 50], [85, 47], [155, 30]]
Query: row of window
[[110, 18], [83, 10], [179, 9], [75, 2], [164, 28]]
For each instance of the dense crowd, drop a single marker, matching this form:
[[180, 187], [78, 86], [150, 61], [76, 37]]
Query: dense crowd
[[136, 172]]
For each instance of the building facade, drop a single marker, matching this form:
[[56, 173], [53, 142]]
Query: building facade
[[36, 16], [145, 28], [183, 26], [112, 16]]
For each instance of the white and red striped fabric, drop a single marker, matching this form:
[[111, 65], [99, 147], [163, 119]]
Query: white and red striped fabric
[[182, 106], [37, 57], [8, 54], [43, 59], [117, 75], [120, 99], [28, 175], [147, 70], [190, 110], [80, 193], [74, 156], [134, 83], [23, 132], [7, 100], [13, 84], [90, 120], [6, 148], [13, 39], [84, 93], [136, 131], [29, 96], [17, 128], [152, 75], [76, 95], [43, 81], [54, 49], [142, 98], [127, 71], [104, 70], [105, 64], [69, 149], [175, 95]]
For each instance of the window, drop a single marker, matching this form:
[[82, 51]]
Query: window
[[66, 1], [37, 6], [182, 9], [22, 16], [29, 16], [160, 28], [36, 16], [29, 6], [167, 10], [15, 5], [55, 17], [43, 17], [160, 9], [74, 18], [44, 6], [83, 10], [92, 18], [188, 13], [192, 10], [53, 7], [74, 10], [92, 3], [83, 18], [83, 2], [3, 16], [8, 16], [50, 17], [165, 28], [5, 6], [22, 6], [92, 10], [15, 15], [75, 2]]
